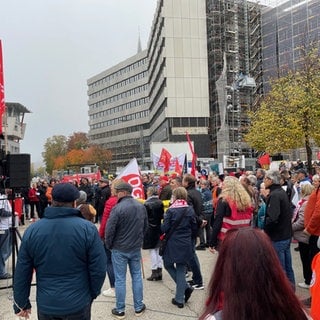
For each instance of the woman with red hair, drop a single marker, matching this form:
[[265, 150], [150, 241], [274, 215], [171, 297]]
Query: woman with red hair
[[248, 281]]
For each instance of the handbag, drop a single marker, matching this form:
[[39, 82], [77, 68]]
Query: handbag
[[165, 237]]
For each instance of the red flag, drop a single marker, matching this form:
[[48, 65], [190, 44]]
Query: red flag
[[2, 101], [264, 160], [131, 174], [177, 167], [165, 158], [194, 156]]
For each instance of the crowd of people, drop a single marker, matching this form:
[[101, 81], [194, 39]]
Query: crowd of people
[[248, 218]]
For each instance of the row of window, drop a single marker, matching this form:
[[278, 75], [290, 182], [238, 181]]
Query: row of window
[[118, 73], [119, 132], [120, 84], [133, 116], [120, 108], [119, 96]]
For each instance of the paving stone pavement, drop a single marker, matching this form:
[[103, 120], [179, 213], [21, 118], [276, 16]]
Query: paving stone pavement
[[157, 294]]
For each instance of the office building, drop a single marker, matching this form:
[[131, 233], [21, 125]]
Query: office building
[[207, 63]]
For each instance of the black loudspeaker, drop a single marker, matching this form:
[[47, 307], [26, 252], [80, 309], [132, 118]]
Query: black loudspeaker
[[18, 170]]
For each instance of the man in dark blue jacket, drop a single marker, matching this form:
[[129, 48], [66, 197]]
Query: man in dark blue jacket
[[68, 257]]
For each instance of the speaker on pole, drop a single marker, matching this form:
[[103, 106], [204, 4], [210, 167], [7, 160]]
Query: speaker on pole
[[18, 170]]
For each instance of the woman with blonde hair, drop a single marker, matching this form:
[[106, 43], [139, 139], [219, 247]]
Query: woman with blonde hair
[[234, 210]]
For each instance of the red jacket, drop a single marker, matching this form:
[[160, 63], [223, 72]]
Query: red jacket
[[32, 194], [110, 203], [312, 214], [315, 288]]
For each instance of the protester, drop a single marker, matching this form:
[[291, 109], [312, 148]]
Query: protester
[[312, 216], [234, 210], [151, 240], [101, 196], [315, 286], [174, 184], [261, 215], [86, 186], [312, 222], [207, 212], [180, 218], [5, 235], [124, 235], [260, 176], [34, 201], [52, 182], [302, 237], [194, 199], [146, 182], [165, 190], [87, 210], [43, 203], [68, 257], [110, 203], [248, 281], [278, 221]]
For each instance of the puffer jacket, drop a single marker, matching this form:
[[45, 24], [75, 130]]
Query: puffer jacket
[[68, 257]]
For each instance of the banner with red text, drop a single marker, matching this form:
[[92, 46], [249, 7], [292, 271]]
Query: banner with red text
[[131, 174]]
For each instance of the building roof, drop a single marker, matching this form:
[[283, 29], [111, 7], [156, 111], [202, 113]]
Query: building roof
[[18, 107]]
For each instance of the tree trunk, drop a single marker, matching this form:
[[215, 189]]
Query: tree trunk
[[309, 154]]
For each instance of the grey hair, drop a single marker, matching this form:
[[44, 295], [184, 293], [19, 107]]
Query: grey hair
[[274, 176]]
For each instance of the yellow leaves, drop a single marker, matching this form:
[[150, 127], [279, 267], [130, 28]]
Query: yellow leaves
[[289, 115]]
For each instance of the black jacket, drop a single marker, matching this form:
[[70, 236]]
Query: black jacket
[[195, 200], [155, 212], [103, 194], [278, 214]]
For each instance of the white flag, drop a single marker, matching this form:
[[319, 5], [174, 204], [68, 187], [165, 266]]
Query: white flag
[[131, 174]]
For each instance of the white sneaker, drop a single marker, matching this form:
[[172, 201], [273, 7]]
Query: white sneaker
[[109, 293], [303, 285]]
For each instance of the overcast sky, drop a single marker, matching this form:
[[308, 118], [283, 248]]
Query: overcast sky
[[50, 49]]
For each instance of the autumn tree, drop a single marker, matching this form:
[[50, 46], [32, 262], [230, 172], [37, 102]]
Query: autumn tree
[[78, 141], [99, 155], [62, 152], [54, 147], [289, 115]]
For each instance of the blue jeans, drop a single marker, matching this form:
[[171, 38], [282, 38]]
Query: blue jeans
[[120, 260], [178, 274], [84, 314], [195, 267], [283, 251], [110, 271], [5, 249]]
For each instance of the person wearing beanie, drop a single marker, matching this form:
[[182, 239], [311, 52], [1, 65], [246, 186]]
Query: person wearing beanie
[[87, 210], [68, 257]]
